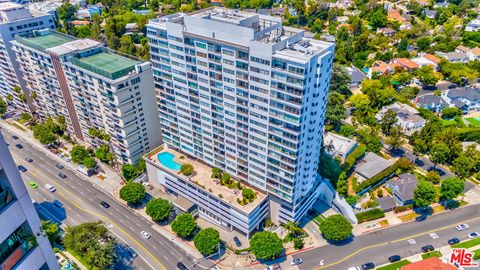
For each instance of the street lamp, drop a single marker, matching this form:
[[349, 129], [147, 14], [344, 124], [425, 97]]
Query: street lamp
[[194, 265]]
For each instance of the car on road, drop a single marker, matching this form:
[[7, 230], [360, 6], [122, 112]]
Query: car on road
[[132, 252], [296, 261], [29, 159], [394, 258], [62, 175], [427, 248], [105, 204], [182, 266], [15, 137], [453, 241], [33, 184], [22, 168], [50, 188], [473, 235], [57, 203], [59, 165], [237, 241], [420, 218], [145, 235], [354, 268], [367, 266], [19, 146], [274, 267], [462, 227]]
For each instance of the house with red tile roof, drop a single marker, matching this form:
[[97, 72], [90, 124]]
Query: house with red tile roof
[[407, 63], [395, 15], [381, 68], [432, 58], [432, 263]]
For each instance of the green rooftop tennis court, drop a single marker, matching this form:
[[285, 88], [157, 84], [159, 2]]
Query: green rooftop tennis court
[[47, 41], [106, 64]]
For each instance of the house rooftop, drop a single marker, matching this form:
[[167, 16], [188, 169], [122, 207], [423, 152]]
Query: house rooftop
[[468, 93], [432, 263], [404, 112], [202, 178], [430, 100], [386, 203], [371, 165], [339, 143], [404, 185]]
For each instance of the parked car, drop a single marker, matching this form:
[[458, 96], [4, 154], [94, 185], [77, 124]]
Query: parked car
[[296, 261], [274, 267], [50, 188], [62, 175], [473, 235], [57, 203], [22, 168], [145, 235], [59, 165], [367, 266], [19, 146], [29, 159], [237, 241], [453, 241], [427, 248], [394, 258], [15, 137], [462, 227], [105, 204], [182, 266], [420, 218], [132, 252]]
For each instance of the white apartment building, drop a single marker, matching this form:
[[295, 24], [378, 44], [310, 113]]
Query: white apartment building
[[241, 92], [16, 19], [23, 246], [93, 88]]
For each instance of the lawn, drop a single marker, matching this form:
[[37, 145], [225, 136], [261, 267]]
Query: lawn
[[395, 266], [408, 217], [468, 244], [82, 261], [476, 255], [473, 120], [434, 253]]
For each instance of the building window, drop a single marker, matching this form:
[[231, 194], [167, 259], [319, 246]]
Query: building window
[[16, 246]]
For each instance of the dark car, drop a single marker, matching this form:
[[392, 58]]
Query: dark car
[[59, 165], [105, 204], [182, 266], [453, 241], [237, 241], [427, 248], [19, 146], [57, 203], [62, 175], [420, 218], [394, 258], [453, 85], [22, 168], [15, 137], [132, 252], [29, 159], [367, 266]]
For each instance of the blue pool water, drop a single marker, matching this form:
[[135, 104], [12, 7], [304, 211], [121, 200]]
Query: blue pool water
[[166, 159]]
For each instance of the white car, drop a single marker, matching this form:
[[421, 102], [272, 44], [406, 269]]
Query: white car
[[461, 227], [50, 188], [473, 235], [296, 261], [145, 235], [354, 268]]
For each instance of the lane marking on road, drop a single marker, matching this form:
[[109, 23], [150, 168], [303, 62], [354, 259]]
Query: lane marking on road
[[433, 235], [116, 226], [391, 242], [411, 241]]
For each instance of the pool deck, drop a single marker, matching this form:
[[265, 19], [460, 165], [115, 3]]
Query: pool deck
[[202, 178]]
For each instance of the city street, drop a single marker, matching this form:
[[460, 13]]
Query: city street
[[81, 203], [376, 247]]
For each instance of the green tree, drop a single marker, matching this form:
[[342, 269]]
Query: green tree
[[378, 19], [66, 11], [52, 231], [126, 45], [103, 153], [451, 112], [91, 240], [424, 194], [248, 194], [340, 80], [266, 245], [451, 188], [44, 134], [207, 241], [298, 243], [439, 153], [89, 162], [336, 228], [158, 209], [341, 186], [370, 138], [389, 118], [463, 166], [184, 225], [423, 43], [329, 167], [395, 140], [186, 169], [427, 75], [335, 109], [433, 176], [3, 107], [79, 154], [132, 192]]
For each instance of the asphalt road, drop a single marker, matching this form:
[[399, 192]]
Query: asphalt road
[[376, 247], [82, 203]]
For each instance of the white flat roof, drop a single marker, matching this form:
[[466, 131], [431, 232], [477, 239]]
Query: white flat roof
[[74, 46]]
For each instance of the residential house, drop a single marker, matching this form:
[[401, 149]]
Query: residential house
[[407, 64], [278, 11], [408, 117], [426, 59], [344, 25], [462, 49], [465, 98], [394, 15], [432, 58], [131, 27], [430, 13], [474, 54], [423, 2], [339, 146], [431, 102], [381, 68], [356, 77], [406, 26], [441, 4], [473, 25], [370, 165], [386, 203], [455, 57], [432, 263], [388, 32], [403, 187], [342, 19], [79, 23]]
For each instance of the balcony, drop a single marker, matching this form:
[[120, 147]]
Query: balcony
[[5, 197]]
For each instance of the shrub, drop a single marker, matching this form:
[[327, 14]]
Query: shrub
[[266, 245], [353, 157], [370, 204], [207, 241], [380, 193], [187, 169], [403, 164], [402, 208], [216, 173], [132, 192], [184, 225], [352, 200], [158, 209], [370, 215], [298, 243], [248, 194], [336, 228], [226, 178]]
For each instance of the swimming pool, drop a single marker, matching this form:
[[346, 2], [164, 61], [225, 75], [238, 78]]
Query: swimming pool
[[166, 159]]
